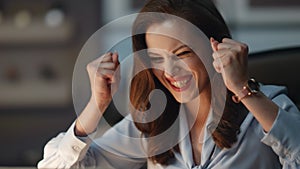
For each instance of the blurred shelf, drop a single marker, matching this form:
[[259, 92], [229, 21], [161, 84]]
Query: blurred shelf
[[36, 33], [37, 93]]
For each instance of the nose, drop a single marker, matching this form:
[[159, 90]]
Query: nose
[[171, 68]]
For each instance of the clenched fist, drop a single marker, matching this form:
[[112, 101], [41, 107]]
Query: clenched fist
[[104, 77]]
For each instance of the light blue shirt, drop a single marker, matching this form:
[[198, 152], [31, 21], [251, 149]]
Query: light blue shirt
[[280, 148]]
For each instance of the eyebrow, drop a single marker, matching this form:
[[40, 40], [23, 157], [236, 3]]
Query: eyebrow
[[174, 51], [153, 53]]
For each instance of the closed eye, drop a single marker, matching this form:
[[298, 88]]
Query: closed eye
[[183, 54], [156, 59]]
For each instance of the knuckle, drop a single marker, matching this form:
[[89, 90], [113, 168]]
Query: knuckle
[[225, 39], [88, 67], [216, 66], [244, 47], [239, 48], [232, 53], [214, 63], [215, 55], [227, 61], [218, 46], [98, 73]]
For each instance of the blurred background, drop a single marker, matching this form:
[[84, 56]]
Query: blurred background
[[41, 39]]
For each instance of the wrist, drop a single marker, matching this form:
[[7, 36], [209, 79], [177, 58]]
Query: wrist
[[98, 105], [79, 130], [251, 87], [239, 87]]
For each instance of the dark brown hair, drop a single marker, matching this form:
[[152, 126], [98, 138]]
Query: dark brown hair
[[204, 15]]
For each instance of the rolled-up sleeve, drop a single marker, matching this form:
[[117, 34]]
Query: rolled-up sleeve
[[284, 137]]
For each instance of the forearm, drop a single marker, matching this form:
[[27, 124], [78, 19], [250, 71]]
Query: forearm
[[262, 108], [88, 120]]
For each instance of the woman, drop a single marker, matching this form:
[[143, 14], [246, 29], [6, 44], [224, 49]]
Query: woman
[[255, 127]]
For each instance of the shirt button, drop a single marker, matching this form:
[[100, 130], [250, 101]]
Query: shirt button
[[76, 148], [288, 156]]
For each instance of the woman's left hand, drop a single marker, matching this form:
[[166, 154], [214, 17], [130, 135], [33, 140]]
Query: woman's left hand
[[231, 60]]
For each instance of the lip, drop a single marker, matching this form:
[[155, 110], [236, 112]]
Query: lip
[[182, 78]]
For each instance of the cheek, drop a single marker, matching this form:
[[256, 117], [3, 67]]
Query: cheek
[[194, 66], [158, 73], [200, 70], [157, 66]]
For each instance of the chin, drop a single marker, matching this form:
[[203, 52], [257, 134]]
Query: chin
[[186, 97]]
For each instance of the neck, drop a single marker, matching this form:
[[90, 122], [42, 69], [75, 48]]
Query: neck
[[198, 110]]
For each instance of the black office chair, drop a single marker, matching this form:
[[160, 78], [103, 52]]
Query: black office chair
[[280, 67]]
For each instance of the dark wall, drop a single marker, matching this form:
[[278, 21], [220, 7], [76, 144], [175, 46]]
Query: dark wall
[[36, 99]]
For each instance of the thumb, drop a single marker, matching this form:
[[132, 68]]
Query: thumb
[[214, 44]]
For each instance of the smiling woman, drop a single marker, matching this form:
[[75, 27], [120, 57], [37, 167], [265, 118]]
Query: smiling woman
[[174, 61], [182, 48]]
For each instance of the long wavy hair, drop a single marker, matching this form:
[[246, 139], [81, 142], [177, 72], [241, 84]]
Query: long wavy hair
[[204, 15]]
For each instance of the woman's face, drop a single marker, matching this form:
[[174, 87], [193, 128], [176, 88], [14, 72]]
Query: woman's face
[[176, 66]]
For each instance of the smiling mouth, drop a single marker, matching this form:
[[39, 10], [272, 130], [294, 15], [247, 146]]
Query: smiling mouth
[[180, 85]]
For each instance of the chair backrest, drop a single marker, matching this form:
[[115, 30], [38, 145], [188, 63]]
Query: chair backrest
[[280, 67]]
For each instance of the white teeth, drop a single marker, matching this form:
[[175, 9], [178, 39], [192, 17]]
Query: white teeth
[[179, 84]]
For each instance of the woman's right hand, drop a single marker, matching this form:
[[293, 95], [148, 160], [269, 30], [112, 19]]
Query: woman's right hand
[[104, 77]]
